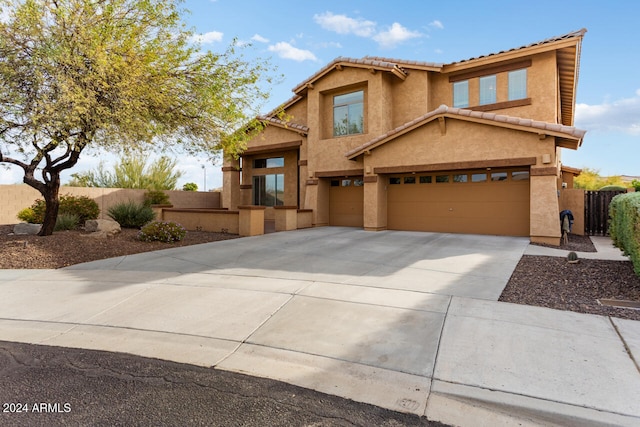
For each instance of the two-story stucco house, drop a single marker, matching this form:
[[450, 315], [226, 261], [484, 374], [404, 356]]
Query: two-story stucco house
[[387, 144]]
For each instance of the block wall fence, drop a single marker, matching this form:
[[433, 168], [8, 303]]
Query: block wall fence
[[14, 198]]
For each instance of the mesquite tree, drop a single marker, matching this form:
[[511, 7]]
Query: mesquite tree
[[114, 75]]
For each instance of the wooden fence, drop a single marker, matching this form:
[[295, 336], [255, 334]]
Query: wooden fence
[[596, 212]]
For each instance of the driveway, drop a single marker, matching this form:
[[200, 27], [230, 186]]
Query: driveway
[[389, 318]]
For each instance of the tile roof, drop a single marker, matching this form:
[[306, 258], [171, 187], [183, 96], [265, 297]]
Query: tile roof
[[562, 131], [567, 36], [290, 125], [364, 62], [405, 62]]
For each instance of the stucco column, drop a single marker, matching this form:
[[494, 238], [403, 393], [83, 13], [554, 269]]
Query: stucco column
[[251, 221], [375, 203], [544, 214], [317, 199], [230, 184]]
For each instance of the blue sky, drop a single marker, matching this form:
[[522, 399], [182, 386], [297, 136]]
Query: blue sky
[[300, 37]]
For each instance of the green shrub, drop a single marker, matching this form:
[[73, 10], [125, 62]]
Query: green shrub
[[613, 188], [66, 221], [156, 197], [81, 206], [27, 215], [624, 226], [636, 184], [190, 186], [131, 214], [162, 231]]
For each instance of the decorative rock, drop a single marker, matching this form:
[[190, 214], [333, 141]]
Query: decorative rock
[[105, 226], [25, 228]]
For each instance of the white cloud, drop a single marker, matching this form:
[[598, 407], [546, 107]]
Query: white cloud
[[207, 38], [621, 116], [287, 51], [436, 24], [395, 35], [342, 24], [259, 38]]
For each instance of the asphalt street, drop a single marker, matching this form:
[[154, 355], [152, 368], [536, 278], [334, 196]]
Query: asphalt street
[[55, 386]]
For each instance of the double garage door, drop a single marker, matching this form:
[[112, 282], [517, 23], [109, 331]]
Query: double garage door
[[475, 202]]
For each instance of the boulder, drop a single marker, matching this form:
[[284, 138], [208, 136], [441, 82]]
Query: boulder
[[104, 226], [25, 228]]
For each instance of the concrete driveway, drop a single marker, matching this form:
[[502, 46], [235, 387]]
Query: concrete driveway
[[407, 321]]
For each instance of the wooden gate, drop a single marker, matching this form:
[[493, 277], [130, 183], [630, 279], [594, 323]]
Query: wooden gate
[[596, 212]]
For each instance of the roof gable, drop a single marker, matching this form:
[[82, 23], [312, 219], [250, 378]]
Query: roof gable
[[567, 136], [338, 63]]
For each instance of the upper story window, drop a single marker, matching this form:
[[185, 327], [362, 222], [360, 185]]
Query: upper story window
[[517, 84], [488, 90], [348, 113], [461, 94], [272, 162]]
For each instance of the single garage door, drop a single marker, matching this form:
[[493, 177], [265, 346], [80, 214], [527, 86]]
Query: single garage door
[[346, 202], [475, 202]]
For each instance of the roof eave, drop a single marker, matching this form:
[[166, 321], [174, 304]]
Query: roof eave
[[565, 136]]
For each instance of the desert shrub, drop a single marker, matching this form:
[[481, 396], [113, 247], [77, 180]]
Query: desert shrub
[[624, 226], [190, 186], [156, 197], [81, 206], [162, 231], [612, 188], [66, 221], [27, 215], [131, 214]]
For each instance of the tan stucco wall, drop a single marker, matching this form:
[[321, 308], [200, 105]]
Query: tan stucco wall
[[204, 220], [573, 199], [375, 204], [409, 98], [545, 210], [297, 113], [541, 88], [462, 142], [17, 197]]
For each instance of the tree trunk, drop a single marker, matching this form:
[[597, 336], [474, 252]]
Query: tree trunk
[[52, 201]]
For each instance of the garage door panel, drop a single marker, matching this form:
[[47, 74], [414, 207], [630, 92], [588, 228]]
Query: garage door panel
[[346, 203], [491, 207]]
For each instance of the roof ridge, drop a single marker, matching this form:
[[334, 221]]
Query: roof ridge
[[404, 61], [373, 62]]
